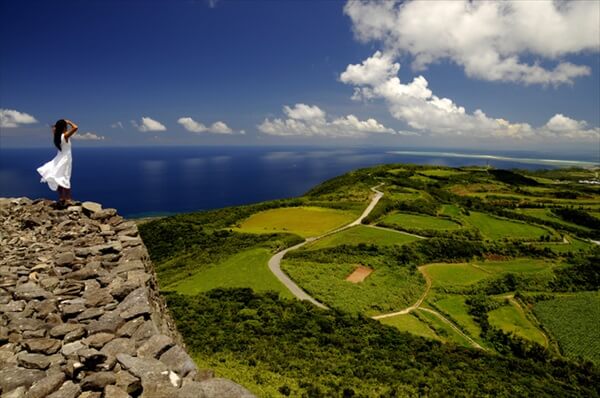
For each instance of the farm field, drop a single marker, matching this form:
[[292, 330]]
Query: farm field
[[518, 265], [574, 245], [497, 228], [442, 329], [386, 289], [304, 221], [511, 318], [450, 274], [418, 221], [245, 269], [546, 214], [442, 172], [412, 324], [573, 320], [361, 234], [455, 306], [450, 210]]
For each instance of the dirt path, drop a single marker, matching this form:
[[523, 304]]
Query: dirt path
[[275, 261]]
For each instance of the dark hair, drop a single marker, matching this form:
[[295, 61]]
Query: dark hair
[[59, 128]]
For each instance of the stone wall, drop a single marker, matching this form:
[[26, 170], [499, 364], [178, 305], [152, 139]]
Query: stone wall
[[80, 313]]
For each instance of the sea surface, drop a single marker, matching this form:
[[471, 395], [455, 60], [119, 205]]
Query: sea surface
[[145, 181]]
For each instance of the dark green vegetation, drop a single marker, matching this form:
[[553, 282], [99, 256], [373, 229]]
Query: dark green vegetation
[[504, 262], [318, 353]]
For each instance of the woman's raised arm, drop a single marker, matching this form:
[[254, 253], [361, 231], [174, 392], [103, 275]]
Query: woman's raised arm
[[73, 129]]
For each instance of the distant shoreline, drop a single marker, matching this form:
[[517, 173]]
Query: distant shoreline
[[553, 162]]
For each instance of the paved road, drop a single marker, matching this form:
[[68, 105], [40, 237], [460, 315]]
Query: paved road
[[275, 261]]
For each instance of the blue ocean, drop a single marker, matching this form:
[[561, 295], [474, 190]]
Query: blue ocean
[[144, 181]]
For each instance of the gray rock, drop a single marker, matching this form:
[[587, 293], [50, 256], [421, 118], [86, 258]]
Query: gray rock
[[178, 360], [142, 367], [90, 313], [65, 328], [43, 345], [223, 388], [67, 390], [30, 291], [115, 392], [128, 382], [98, 380], [91, 207], [119, 345], [13, 377], [33, 361], [98, 340], [65, 258], [155, 346], [44, 387], [72, 348], [18, 392]]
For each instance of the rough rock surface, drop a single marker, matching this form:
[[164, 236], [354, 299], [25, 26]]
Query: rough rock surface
[[80, 313]]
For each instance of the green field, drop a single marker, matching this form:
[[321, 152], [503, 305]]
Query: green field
[[361, 234], [305, 221], [455, 306], [442, 172], [246, 269], [442, 329], [573, 320], [497, 228], [447, 274], [418, 221], [511, 318], [546, 214], [574, 245], [412, 324], [386, 289], [518, 265], [450, 210]]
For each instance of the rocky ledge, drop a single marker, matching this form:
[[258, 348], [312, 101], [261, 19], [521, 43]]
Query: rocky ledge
[[80, 314]]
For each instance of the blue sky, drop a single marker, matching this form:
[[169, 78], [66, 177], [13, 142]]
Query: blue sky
[[279, 73]]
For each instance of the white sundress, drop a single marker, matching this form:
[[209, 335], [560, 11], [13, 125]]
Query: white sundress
[[57, 172]]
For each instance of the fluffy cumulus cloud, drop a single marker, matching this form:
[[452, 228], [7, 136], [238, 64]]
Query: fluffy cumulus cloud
[[306, 120], [89, 136], [10, 118], [487, 38], [148, 124], [415, 104], [196, 127]]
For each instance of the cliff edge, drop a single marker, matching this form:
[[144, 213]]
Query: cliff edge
[[80, 313]]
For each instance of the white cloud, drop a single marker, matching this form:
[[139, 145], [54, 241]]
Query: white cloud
[[148, 124], [196, 127], [415, 104], [89, 136], [486, 38], [306, 120], [12, 118], [117, 125]]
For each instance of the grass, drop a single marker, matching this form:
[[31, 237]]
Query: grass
[[411, 324], [574, 320], [455, 306], [446, 274], [418, 221], [246, 269], [442, 329], [546, 214], [305, 221], [574, 245], [441, 172], [511, 318], [497, 228], [518, 265], [361, 234], [450, 210], [386, 289]]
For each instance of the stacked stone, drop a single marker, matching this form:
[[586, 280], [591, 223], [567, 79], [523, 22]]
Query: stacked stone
[[80, 314]]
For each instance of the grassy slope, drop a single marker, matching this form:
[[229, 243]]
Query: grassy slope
[[512, 319], [497, 228], [362, 234], [412, 324], [245, 269], [418, 221]]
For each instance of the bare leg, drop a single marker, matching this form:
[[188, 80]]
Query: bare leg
[[68, 194], [60, 194]]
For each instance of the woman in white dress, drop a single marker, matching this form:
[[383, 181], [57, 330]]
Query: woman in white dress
[[57, 172]]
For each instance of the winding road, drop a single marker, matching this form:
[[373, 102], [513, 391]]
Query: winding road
[[275, 267]]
